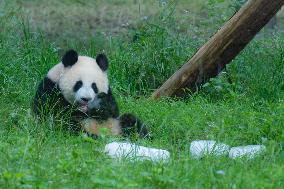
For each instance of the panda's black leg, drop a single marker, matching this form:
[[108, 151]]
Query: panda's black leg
[[131, 125], [93, 136]]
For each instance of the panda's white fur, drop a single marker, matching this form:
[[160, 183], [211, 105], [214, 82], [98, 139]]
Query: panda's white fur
[[86, 70], [62, 79], [55, 72]]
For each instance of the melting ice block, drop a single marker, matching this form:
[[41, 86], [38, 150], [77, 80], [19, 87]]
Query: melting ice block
[[201, 148], [249, 151], [133, 151]]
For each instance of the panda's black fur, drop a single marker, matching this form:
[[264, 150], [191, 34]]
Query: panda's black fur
[[49, 100]]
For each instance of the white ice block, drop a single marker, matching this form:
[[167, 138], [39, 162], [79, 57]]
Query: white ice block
[[201, 148], [133, 151], [249, 151]]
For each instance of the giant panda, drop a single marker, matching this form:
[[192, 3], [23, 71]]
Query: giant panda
[[77, 90]]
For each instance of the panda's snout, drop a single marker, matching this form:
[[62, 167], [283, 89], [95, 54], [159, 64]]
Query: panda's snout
[[84, 95], [86, 99]]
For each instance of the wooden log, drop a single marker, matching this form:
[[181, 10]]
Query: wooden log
[[225, 45]]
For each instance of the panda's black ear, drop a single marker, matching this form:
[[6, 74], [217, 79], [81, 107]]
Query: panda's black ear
[[70, 58], [102, 61]]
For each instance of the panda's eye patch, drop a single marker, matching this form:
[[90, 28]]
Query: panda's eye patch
[[77, 86], [95, 88]]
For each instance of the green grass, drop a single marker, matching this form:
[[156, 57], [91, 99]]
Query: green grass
[[243, 106]]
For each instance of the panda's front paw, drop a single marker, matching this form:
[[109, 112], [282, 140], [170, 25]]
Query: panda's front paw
[[98, 102], [95, 104], [101, 95], [98, 108]]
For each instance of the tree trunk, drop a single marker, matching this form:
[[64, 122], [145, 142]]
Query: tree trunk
[[225, 45]]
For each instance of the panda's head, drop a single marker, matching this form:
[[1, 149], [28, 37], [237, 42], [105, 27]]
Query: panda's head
[[81, 78]]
